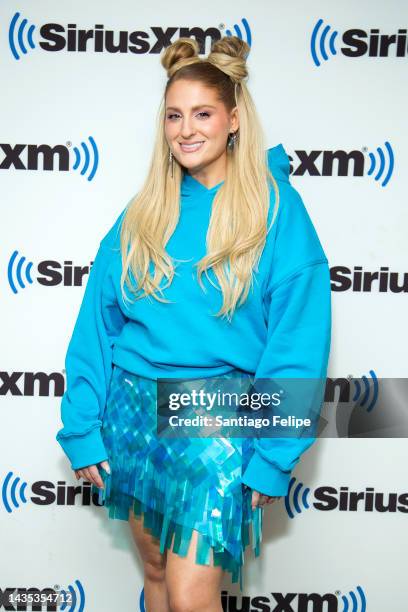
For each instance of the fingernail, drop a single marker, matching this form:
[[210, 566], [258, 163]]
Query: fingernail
[[108, 469]]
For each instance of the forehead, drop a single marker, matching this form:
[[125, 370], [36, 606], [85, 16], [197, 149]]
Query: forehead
[[190, 95]]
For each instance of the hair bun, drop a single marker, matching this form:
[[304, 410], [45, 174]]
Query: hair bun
[[182, 52], [229, 54]]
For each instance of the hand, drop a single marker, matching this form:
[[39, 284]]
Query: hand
[[91, 473], [259, 499]]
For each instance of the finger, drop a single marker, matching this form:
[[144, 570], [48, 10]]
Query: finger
[[87, 474], [105, 465], [96, 477], [255, 499]]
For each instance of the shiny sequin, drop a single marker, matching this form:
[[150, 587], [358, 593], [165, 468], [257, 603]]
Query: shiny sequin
[[177, 484]]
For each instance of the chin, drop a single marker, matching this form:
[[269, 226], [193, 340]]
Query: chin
[[197, 163], [190, 165]]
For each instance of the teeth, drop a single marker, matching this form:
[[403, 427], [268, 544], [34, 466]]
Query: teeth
[[191, 147]]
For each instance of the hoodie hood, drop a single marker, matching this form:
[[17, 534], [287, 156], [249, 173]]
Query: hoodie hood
[[191, 186], [278, 162]]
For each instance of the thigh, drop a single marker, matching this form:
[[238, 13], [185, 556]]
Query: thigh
[[191, 585], [148, 546]]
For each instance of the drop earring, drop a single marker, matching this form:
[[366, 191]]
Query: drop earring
[[232, 138], [171, 163]]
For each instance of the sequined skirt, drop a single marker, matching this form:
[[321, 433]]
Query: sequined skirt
[[177, 484]]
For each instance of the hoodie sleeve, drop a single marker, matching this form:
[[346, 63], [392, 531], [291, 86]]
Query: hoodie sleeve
[[88, 361], [298, 314]]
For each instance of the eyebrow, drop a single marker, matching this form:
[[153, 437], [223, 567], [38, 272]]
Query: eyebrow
[[194, 107]]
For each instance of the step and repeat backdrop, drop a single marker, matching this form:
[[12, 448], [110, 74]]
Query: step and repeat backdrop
[[81, 86]]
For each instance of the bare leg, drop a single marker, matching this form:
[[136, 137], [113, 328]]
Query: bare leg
[[193, 587], [154, 565]]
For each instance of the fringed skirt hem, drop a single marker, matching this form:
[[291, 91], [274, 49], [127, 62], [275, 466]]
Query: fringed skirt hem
[[177, 485]]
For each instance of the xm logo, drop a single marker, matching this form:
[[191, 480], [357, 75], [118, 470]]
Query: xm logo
[[364, 407], [356, 43], [377, 164], [15, 493], [51, 273], [353, 601], [30, 384], [70, 598], [359, 392], [348, 407], [24, 37], [326, 498], [83, 158]]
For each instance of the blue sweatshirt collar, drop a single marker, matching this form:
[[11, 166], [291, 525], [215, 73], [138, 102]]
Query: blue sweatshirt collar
[[191, 186]]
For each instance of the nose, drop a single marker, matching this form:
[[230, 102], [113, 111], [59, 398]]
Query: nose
[[187, 128]]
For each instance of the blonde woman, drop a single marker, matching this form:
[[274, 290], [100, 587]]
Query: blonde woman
[[213, 202]]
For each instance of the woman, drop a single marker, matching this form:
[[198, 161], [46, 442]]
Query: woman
[[212, 202]]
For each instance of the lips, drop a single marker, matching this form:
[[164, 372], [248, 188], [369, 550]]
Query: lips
[[192, 147]]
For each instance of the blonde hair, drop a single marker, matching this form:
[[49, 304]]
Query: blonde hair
[[238, 225]]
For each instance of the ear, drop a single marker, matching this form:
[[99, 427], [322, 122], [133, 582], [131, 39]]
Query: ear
[[234, 118]]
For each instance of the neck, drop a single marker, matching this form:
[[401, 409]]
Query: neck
[[211, 174]]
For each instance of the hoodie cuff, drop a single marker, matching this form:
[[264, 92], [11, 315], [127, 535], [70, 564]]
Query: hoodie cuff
[[262, 476], [85, 449]]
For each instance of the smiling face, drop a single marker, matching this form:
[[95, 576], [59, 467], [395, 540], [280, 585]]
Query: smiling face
[[197, 125]]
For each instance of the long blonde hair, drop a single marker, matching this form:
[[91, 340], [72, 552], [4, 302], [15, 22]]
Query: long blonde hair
[[238, 225]]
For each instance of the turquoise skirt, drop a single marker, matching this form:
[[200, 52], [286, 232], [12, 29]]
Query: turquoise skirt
[[177, 484]]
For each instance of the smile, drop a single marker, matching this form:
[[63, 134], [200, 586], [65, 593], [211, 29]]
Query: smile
[[191, 148]]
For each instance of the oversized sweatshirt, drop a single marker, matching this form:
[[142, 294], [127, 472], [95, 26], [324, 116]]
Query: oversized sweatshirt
[[283, 330]]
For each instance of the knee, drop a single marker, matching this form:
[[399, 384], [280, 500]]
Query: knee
[[180, 604], [155, 570], [185, 602]]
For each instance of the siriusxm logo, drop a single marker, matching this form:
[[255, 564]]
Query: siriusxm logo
[[313, 163], [85, 157], [30, 384], [361, 392], [359, 407], [368, 281], [357, 42], [342, 163], [327, 498], [365, 395], [70, 598], [23, 37], [52, 273], [15, 493], [353, 601]]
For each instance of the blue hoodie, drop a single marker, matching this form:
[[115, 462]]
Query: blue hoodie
[[283, 329]]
